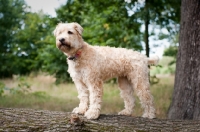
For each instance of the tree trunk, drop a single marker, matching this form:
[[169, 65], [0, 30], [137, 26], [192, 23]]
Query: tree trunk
[[27, 120], [146, 32], [186, 96]]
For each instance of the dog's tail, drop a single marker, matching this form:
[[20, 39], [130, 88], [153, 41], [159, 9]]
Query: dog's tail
[[153, 60]]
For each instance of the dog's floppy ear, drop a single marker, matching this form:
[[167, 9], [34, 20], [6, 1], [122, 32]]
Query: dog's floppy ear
[[78, 28]]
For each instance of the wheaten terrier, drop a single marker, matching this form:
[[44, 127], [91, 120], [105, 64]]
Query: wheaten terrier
[[89, 66]]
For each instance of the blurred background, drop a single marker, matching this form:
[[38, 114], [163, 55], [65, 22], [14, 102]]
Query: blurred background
[[33, 72]]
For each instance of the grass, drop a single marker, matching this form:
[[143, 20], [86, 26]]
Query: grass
[[45, 94]]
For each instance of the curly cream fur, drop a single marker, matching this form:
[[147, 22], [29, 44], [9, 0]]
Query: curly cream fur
[[97, 64]]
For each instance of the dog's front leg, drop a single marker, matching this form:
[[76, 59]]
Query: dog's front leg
[[83, 96], [96, 92]]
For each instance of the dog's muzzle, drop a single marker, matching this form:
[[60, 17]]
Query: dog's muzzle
[[63, 43]]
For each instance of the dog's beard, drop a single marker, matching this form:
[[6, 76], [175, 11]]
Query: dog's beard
[[64, 46]]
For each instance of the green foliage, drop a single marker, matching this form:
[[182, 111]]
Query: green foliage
[[104, 22], [54, 63], [11, 15], [111, 26], [156, 15], [30, 40], [21, 34], [171, 51], [165, 67], [27, 43], [173, 48]]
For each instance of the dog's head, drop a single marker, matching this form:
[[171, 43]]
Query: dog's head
[[68, 37]]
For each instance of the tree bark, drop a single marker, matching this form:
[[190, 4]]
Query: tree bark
[[186, 96], [28, 120]]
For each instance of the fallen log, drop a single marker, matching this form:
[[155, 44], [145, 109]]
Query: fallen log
[[29, 120]]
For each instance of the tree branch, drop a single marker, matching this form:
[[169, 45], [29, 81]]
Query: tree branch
[[43, 120]]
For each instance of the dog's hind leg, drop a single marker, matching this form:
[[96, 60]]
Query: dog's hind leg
[[142, 88], [127, 94]]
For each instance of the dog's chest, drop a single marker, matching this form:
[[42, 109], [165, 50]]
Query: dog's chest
[[77, 70]]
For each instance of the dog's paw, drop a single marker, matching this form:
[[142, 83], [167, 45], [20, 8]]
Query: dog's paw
[[92, 114], [149, 115], [79, 110], [125, 112]]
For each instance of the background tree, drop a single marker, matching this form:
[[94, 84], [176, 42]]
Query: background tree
[[22, 36], [29, 41], [186, 96], [154, 14], [11, 15]]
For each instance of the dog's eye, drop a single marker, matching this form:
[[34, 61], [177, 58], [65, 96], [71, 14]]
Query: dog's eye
[[70, 32]]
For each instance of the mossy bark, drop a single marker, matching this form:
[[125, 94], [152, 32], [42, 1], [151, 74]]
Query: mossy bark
[[25, 120]]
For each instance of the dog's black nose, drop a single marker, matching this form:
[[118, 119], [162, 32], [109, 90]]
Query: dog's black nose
[[62, 40]]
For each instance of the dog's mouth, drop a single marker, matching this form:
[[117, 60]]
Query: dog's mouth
[[64, 45]]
